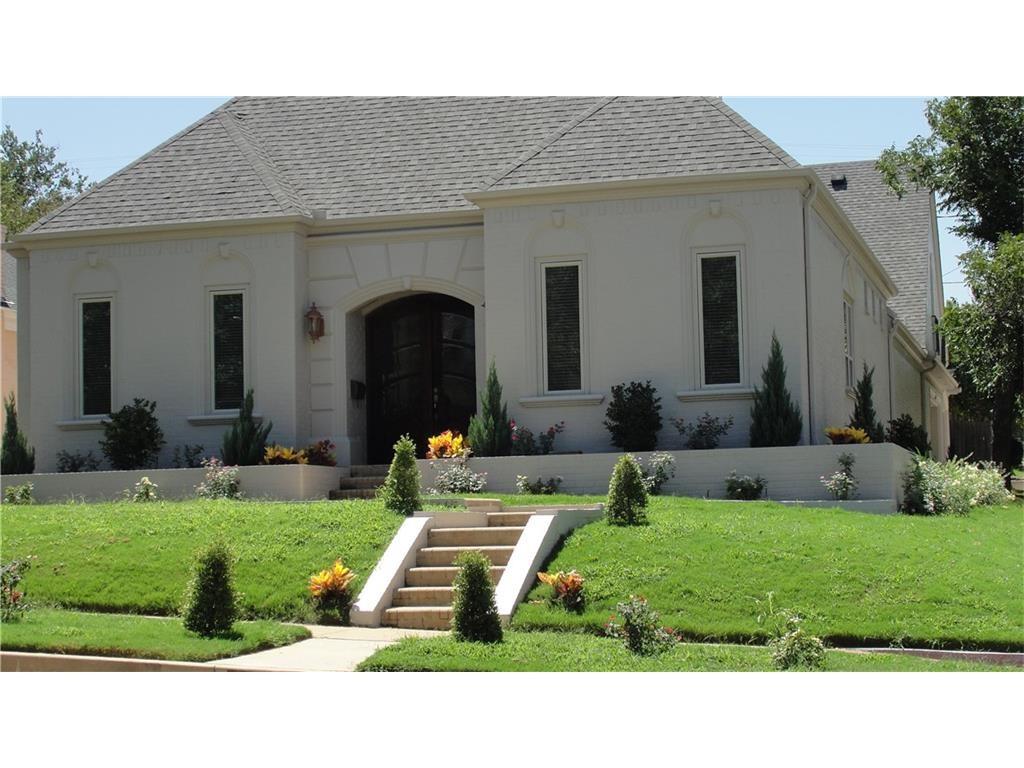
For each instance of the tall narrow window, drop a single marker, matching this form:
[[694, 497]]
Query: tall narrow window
[[720, 318], [95, 357], [562, 327], [848, 341], [228, 350]]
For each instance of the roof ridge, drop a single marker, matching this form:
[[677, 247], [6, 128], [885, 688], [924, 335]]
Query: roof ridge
[[537, 147], [752, 132], [100, 184], [255, 153]]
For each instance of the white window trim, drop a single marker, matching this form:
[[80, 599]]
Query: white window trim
[[699, 255], [849, 367], [80, 301], [542, 265], [246, 357]]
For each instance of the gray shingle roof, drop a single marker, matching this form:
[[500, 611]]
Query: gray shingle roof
[[897, 230], [356, 157]]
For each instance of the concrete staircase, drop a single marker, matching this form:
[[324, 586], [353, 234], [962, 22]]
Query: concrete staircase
[[362, 483], [425, 599]]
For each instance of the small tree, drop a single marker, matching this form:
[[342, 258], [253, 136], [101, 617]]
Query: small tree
[[210, 605], [627, 495], [774, 418], [474, 613], [905, 433], [864, 407], [246, 441], [634, 416], [132, 437], [16, 458], [489, 433], [401, 489]]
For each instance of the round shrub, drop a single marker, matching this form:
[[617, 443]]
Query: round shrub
[[401, 490], [627, 496], [210, 605], [474, 614], [634, 416], [132, 437]]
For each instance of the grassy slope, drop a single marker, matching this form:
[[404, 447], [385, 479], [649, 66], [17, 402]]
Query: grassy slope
[[558, 652], [98, 634], [135, 558], [856, 578]]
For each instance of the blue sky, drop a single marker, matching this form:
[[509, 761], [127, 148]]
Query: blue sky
[[99, 136]]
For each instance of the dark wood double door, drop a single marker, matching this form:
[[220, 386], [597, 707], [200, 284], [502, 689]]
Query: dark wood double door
[[421, 371]]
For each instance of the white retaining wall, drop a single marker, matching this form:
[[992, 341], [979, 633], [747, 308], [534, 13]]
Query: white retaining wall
[[792, 472], [286, 482]]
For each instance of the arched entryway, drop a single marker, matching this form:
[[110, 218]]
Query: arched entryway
[[420, 371]]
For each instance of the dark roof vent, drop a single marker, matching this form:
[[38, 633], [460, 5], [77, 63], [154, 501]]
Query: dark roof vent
[[839, 182]]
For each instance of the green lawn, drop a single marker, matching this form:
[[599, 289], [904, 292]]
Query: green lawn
[[560, 652], [856, 578], [105, 634], [135, 558]]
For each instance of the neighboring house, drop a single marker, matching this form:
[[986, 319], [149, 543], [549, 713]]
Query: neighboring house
[[576, 242], [8, 327]]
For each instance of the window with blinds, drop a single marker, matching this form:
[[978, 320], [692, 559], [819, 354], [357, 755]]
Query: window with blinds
[[95, 357], [228, 350], [720, 321], [562, 327]]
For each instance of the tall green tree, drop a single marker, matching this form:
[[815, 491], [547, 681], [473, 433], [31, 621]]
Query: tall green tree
[[864, 407], [973, 159], [489, 433], [774, 418], [32, 182]]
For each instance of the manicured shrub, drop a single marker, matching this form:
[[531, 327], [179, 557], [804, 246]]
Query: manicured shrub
[[661, 467], [16, 458], [210, 605], [842, 484], [524, 444], [132, 437], [401, 489], [905, 433], [951, 487], [704, 433], [489, 433], [279, 454], [864, 408], [143, 491], [455, 476], [744, 487], [627, 496], [19, 494], [633, 418], [640, 628], [187, 456], [219, 482], [566, 590], [12, 599], [846, 435], [330, 592], [245, 443], [774, 418], [539, 488], [447, 445], [77, 462], [474, 613], [321, 454]]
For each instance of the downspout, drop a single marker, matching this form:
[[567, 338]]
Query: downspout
[[807, 199], [888, 348]]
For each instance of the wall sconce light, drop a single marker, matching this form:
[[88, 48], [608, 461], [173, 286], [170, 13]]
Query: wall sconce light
[[314, 323]]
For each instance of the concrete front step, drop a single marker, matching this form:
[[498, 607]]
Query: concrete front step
[[465, 537], [501, 519], [447, 555], [353, 493], [369, 470], [349, 483], [418, 617], [413, 596], [441, 576]]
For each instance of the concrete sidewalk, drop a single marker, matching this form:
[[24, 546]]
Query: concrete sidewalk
[[331, 649]]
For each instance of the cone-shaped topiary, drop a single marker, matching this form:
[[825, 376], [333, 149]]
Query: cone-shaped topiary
[[774, 418], [489, 433], [401, 489], [246, 441], [210, 607], [627, 497], [16, 458], [474, 614], [864, 408]]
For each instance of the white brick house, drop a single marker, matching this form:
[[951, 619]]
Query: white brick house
[[577, 242]]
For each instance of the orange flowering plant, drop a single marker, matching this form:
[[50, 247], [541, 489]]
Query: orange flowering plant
[[567, 589], [846, 435], [329, 591], [447, 445], [279, 454]]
